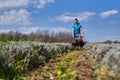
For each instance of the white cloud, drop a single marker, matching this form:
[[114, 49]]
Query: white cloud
[[4, 31], [23, 3], [82, 16], [28, 30], [42, 3], [24, 29], [108, 13], [58, 29], [13, 12], [14, 17], [13, 3]]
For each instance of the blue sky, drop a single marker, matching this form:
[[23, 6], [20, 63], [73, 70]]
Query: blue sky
[[100, 18]]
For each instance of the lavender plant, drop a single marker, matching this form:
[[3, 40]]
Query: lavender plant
[[106, 54], [16, 58]]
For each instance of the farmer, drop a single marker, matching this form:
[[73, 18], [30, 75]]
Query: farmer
[[77, 30]]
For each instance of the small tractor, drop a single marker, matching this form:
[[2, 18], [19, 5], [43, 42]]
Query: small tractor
[[78, 42]]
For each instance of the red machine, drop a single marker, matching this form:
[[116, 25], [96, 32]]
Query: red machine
[[78, 41]]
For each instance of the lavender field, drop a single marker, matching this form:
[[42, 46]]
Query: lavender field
[[17, 58], [25, 60], [106, 55]]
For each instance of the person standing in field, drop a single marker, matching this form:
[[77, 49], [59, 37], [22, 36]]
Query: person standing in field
[[77, 30]]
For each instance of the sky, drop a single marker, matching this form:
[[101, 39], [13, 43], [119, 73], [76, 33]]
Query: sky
[[100, 19]]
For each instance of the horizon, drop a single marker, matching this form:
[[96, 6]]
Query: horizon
[[100, 23]]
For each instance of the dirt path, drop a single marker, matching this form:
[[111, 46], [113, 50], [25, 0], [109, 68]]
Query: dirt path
[[75, 65]]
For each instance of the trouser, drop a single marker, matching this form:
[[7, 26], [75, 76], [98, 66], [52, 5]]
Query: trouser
[[77, 37]]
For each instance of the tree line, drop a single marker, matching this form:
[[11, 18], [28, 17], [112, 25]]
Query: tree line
[[41, 35]]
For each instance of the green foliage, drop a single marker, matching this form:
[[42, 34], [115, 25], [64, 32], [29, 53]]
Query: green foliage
[[63, 71], [68, 75], [16, 59]]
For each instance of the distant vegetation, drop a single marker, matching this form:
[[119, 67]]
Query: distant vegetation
[[110, 42], [42, 36]]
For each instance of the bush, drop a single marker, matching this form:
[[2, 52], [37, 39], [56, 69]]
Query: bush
[[17, 58]]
